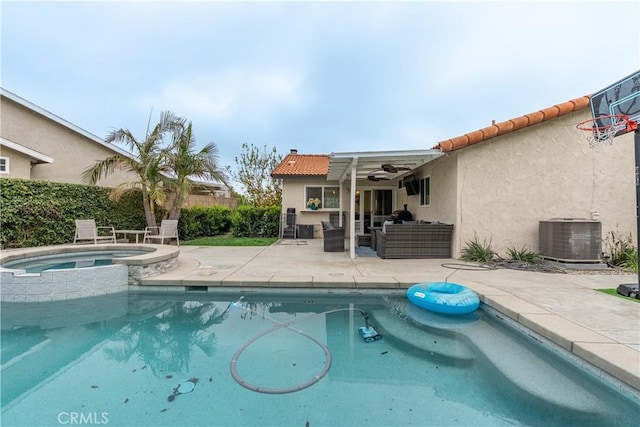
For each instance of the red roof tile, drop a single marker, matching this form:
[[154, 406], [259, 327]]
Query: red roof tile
[[497, 129], [302, 165]]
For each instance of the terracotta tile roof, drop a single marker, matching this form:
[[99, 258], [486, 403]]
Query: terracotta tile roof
[[302, 165], [497, 129]]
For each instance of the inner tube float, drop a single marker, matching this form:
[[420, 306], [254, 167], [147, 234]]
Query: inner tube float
[[441, 297]]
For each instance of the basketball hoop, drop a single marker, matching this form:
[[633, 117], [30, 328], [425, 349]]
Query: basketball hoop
[[602, 129]]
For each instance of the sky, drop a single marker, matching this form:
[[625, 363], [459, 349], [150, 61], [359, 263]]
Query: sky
[[319, 77]]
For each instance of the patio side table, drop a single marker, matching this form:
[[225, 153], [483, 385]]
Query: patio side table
[[374, 236], [136, 232]]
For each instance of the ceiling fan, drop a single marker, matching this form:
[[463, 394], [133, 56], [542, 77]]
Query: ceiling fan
[[388, 167], [375, 178]]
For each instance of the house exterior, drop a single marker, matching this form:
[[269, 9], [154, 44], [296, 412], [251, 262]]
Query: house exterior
[[495, 184], [37, 144]]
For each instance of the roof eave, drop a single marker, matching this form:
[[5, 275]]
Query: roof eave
[[35, 156]]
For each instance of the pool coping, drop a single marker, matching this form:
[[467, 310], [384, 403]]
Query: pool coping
[[153, 253]]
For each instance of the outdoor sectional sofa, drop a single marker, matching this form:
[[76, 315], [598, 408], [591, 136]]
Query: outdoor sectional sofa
[[425, 240]]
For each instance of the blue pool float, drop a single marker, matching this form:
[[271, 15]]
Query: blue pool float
[[441, 297]]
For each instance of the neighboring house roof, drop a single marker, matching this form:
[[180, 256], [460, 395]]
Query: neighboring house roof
[[497, 129], [308, 165], [204, 180], [36, 156], [21, 101]]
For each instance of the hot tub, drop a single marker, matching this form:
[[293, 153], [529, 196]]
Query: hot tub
[[75, 271]]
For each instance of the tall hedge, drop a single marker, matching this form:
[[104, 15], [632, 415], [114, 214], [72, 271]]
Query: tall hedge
[[249, 221], [201, 221], [40, 213]]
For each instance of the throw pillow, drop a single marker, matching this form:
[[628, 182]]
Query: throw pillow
[[384, 226], [327, 225]]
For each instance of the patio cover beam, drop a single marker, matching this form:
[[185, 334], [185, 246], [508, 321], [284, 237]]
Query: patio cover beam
[[370, 161]]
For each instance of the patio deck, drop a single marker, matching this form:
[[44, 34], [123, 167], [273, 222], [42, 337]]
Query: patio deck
[[563, 308]]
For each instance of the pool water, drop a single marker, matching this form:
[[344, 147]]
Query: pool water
[[147, 359], [66, 261]]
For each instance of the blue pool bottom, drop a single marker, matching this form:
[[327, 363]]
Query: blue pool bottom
[[128, 361]]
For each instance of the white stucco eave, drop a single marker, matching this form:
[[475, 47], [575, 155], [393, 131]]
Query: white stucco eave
[[36, 157]]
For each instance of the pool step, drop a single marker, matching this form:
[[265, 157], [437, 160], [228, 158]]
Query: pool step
[[510, 358], [514, 362], [441, 348]]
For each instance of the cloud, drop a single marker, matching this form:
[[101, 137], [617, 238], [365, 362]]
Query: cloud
[[317, 76], [251, 96], [501, 41]]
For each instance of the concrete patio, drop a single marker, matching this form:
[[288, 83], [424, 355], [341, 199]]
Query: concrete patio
[[563, 308]]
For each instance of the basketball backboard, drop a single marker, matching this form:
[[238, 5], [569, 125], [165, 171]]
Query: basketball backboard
[[620, 98]]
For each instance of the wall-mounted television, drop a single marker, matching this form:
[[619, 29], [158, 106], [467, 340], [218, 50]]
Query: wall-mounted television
[[411, 184]]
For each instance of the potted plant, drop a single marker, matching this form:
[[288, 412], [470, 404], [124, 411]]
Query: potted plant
[[313, 203]]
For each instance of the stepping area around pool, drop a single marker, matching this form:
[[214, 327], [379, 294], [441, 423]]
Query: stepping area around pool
[[563, 308]]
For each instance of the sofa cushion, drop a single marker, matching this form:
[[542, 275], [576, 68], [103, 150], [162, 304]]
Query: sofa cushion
[[326, 225]]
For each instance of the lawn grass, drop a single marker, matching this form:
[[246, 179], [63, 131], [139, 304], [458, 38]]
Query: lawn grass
[[231, 241], [614, 292]]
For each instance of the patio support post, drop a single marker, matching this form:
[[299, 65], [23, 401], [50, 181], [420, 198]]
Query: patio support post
[[352, 209], [340, 222], [636, 144]]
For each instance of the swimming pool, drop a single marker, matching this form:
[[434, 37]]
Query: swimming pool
[[167, 359]]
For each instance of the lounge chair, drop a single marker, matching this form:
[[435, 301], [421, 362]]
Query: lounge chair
[[168, 230], [86, 230], [333, 237]]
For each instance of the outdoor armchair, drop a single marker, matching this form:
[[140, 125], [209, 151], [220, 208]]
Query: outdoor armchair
[[168, 230], [333, 237], [87, 231]]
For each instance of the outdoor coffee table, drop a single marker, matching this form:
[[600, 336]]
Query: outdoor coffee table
[[136, 232]]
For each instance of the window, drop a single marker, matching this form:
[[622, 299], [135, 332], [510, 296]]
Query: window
[[425, 191], [329, 196], [4, 165]]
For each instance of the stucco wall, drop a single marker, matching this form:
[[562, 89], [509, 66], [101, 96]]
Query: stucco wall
[[19, 164], [293, 197], [506, 185], [72, 152]]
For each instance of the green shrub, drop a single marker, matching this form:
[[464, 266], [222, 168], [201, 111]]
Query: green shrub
[[627, 258], [250, 221], [202, 221], [622, 253], [477, 251], [524, 255]]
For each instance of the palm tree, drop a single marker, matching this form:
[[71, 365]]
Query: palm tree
[[187, 165], [148, 163]]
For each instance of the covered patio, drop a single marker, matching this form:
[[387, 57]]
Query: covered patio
[[354, 169]]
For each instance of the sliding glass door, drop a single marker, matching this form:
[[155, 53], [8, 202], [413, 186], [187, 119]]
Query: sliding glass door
[[373, 206]]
